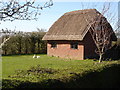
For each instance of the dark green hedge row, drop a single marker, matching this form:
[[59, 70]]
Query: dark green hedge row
[[25, 43]]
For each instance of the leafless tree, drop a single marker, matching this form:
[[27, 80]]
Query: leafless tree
[[101, 32], [19, 10]]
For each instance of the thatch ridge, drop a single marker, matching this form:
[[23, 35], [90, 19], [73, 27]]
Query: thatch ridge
[[84, 11]]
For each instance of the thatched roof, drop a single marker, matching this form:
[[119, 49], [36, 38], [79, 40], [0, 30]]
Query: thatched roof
[[71, 26]]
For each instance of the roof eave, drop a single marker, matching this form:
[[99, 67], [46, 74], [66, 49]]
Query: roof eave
[[62, 37]]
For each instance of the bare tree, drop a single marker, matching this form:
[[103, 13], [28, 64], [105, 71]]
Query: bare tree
[[19, 10], [101, 32]]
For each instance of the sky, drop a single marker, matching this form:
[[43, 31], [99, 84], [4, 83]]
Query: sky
[[50, 15]]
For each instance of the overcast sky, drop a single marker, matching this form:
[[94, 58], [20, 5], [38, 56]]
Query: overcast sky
[[50, 15]]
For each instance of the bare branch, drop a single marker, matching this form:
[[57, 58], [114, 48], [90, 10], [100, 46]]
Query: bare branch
[[26, 10], [5, 36], [5, 40], [101, 31]]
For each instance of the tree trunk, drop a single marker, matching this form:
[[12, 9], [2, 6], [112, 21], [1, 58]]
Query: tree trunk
[[100, 58], [38, 46], [26, 47]]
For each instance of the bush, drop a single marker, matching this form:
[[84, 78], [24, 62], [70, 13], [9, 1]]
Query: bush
[[25, 43]]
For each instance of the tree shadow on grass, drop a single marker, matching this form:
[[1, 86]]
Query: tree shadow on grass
[[107, 78]]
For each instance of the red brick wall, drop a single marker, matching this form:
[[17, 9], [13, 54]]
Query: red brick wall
[[63, 50]]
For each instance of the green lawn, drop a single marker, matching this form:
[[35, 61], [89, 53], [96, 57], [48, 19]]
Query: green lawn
[[64, 70]]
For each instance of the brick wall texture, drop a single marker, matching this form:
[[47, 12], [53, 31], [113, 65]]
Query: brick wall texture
[[86, 49]]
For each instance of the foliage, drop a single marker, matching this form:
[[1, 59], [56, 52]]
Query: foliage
[[118, 41], [113, 53], [25, 43]]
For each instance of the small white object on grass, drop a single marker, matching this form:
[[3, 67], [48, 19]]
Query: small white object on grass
[[35, 56], [38, 57]]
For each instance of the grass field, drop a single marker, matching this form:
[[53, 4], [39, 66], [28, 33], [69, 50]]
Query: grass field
[[24, 71]]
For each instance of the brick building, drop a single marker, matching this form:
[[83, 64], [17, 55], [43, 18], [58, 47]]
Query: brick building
[[69, 36]]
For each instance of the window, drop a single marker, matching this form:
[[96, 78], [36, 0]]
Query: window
[[53, 45], [74, 45]]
